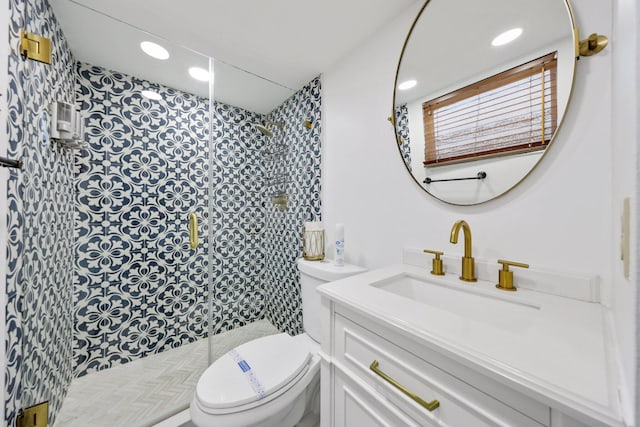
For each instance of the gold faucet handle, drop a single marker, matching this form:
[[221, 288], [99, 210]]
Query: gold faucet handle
[[506, 264], [505, 277], [437, 270], [436, 253]]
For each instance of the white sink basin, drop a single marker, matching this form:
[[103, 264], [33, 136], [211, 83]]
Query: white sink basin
[[459, 298]]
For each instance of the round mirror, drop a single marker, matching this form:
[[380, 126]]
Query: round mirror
[[480, 91]]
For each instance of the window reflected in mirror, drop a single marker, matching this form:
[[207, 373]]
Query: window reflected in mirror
[[511, 112]]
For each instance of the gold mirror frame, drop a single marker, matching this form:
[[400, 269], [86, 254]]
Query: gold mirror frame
[[517, 180]]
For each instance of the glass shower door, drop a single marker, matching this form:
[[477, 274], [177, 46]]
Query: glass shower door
[[241, 199], [40, 195], [103, 272]]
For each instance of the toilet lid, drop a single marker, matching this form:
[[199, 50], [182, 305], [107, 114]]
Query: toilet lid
[[252, 371]]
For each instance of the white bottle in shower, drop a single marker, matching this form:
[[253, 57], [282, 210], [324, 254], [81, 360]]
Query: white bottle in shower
[[338, 259]]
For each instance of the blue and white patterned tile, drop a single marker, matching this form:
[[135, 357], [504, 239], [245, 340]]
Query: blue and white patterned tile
[[155, 154], [142, 335], [177, 144], [108, 134], [178, 195], [39, 219], [143, 222], [139, 288], [101, 192], [143, 113], [143, 167], [282, 239], [402, 133]]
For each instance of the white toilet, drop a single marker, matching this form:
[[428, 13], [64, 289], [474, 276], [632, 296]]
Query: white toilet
[[273, 380]]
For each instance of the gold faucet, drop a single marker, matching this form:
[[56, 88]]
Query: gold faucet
[[468, 274]]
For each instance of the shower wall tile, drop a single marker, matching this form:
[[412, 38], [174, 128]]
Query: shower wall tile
[[238, 208], [138, 286], [254, 245], [39, 219], [283, 230]]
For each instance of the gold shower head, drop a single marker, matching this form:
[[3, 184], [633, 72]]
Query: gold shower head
[[278, 124], [264, 130]]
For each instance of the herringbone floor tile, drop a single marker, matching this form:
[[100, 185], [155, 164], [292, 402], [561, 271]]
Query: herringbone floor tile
[[146, 391]]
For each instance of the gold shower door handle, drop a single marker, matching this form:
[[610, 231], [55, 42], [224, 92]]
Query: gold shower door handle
[[193, 230], [429, 406]]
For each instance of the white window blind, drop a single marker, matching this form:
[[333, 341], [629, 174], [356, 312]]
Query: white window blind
[[514, 111]]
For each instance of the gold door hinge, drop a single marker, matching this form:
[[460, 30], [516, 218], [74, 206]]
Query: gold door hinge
[[35, 47], [34, 416]]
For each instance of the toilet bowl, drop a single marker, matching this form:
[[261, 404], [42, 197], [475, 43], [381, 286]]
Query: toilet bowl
[[273, 381]]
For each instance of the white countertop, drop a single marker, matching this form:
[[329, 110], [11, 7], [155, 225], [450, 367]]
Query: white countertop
[[552, 348]]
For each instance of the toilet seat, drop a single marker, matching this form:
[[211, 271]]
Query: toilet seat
[[252, 374]]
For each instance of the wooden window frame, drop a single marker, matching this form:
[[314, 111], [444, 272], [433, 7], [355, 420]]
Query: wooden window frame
[[544, 63]]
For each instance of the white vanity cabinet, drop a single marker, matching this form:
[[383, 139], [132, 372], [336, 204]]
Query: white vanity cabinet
[[361, 397], [387, 358]]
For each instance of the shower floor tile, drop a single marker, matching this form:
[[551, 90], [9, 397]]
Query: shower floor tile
[[148, 390]]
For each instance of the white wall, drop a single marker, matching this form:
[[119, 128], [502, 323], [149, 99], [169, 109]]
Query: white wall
[[4, 177], [560, 218], [624, 44]]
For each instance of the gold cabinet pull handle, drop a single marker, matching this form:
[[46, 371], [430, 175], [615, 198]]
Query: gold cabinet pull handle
[[193, 230], [430, 406]]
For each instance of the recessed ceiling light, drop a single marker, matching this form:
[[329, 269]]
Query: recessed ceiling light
[[407, 85], [154, 50], [151, 95], [199, 74], [507, 37]]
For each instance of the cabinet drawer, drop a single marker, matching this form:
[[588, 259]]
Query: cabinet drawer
[[461, 404], [358, 405]]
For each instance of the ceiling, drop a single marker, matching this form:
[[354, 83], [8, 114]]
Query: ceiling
[[459, 45], [263, 50]]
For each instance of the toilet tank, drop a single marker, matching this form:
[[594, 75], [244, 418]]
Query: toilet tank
[[312, 275]]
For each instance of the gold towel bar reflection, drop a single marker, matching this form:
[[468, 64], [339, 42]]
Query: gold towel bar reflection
[[193, 230], [430, 406]]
